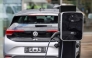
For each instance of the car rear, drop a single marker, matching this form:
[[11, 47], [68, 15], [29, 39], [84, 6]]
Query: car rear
[[28, 36]]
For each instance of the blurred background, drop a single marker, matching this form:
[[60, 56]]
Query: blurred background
[[10, 7]]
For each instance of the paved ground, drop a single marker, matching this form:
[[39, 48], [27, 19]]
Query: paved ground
[[86, 50]]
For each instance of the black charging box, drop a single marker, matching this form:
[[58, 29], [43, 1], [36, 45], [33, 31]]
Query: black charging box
[[64, 8]]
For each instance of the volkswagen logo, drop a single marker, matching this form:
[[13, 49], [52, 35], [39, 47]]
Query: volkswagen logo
[[35, 33]]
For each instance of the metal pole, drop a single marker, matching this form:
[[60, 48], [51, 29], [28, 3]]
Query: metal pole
[[78, 3], [22, 4], [60, 2], [69, 49]]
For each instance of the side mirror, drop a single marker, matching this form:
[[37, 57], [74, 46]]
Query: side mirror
[[71, 26]]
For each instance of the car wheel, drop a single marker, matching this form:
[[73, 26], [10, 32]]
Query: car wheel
[[79, 54]]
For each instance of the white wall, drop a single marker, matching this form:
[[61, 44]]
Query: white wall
[[1, 19]]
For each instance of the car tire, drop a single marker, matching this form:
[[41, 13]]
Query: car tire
[[79, 55]]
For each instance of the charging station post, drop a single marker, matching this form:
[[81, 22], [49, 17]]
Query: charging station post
[[70, 27]]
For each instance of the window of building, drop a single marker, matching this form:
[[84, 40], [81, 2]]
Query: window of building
[[9, 10]]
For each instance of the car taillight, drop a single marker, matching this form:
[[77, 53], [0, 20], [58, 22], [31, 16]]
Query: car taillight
[[52, 30], [10, 32], [7, 56]]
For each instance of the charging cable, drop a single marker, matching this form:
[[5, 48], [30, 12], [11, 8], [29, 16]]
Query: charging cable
[[47, 48], [56, 33]]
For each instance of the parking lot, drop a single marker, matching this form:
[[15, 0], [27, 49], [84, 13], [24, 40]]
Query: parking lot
[[86, 50]]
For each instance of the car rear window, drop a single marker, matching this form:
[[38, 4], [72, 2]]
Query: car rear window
[[35, 19]]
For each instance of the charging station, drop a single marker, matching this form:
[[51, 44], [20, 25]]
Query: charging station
[[71, 28], [70, 25]]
